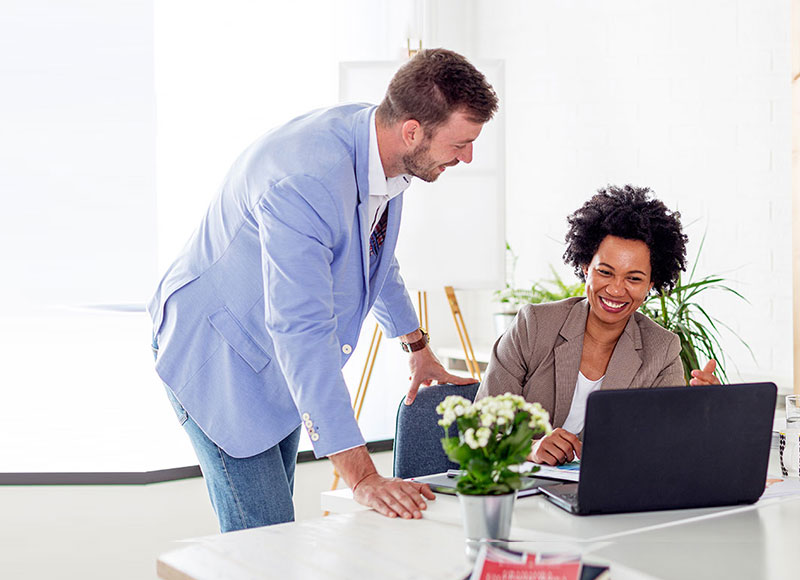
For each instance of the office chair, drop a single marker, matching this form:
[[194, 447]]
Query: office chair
[[417, 440]]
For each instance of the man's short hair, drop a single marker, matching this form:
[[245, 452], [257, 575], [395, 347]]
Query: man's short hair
[[434, 84]]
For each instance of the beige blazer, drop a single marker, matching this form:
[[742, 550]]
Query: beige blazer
[[539, 356]]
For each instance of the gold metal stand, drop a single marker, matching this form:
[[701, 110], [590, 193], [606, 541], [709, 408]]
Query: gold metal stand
[[461, 327]]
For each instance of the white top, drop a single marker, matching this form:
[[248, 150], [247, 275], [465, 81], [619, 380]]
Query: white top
[[381, 188], [577, 411]]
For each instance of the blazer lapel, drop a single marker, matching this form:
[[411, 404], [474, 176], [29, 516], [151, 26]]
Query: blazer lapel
[[625, 360], [567, 357]]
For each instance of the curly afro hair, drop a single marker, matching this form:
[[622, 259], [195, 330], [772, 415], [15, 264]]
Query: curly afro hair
[[628, 212]]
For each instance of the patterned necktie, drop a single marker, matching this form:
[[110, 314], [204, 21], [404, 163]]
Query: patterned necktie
[[378, 234]]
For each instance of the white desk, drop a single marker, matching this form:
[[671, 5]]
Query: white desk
[[747, 542]]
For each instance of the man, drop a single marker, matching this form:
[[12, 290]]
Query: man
[[255, 319]]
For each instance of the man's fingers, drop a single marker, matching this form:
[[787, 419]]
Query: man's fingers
[[456, 380], [412, 390], [401, 507], [405, 499], [394, 497], [425, 490], [380, 506]]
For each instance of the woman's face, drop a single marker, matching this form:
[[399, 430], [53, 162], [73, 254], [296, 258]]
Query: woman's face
[[618, 279]]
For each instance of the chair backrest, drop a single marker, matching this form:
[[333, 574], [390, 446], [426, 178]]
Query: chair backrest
[[417, 440]]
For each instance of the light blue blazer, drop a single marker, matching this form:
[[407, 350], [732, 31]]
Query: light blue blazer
[[263, 307]]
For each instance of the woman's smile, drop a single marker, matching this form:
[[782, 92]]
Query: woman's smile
[[612, 305]]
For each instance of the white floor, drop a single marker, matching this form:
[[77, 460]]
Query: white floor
[[102, 532]]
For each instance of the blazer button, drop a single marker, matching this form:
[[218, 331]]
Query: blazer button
[[314, 437], [306, 416], [347, 349]]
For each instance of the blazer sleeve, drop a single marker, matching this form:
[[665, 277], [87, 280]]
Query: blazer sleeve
[[297, 254], [672, 373], [393, 308], [508, 364]]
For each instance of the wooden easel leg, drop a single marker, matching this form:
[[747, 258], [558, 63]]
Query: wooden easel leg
[[463, 336], [422, 305]]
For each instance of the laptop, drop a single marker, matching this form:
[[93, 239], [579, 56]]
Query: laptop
[[445, 483], [670, 448]]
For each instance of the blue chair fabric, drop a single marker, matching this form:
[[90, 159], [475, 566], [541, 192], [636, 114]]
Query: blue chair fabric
[[417, 441]]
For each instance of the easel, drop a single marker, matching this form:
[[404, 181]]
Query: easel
[[377, 334]]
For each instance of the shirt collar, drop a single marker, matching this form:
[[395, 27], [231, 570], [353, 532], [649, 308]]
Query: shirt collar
[[379, 184]]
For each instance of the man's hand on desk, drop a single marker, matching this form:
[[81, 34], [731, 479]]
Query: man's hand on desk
[[558, 448], [392, 496], [389, 496]]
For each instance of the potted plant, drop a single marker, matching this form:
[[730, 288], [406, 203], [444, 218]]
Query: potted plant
[[511, 298], [493, 441], [679, 311]]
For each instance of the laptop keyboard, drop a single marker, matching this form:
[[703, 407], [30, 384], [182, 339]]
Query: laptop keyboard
[[571, 497]]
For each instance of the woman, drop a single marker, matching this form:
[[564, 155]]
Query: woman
[[623, 244]]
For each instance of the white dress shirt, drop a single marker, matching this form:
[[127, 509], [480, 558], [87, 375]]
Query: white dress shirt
[[577, 411], [381, 188]]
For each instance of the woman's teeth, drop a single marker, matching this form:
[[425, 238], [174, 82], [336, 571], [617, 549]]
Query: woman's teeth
[[612, 304]]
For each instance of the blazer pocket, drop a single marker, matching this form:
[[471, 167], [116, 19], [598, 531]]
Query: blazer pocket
[[225, 323]]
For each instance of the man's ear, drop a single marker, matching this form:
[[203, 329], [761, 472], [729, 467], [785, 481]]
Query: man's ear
[[411, 132]]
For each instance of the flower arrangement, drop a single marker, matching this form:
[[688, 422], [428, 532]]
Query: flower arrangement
[[494, 438]]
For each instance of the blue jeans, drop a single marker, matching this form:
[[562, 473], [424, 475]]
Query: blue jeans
[[245, 492]]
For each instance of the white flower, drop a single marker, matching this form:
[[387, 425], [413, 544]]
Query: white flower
[[451, 408], [448, 419], [483, 435], [469, 438]]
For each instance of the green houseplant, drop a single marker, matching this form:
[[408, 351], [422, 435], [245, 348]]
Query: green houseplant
[[678, 310], [511, 298]]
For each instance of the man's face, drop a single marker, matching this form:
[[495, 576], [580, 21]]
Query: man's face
[[451, 143]]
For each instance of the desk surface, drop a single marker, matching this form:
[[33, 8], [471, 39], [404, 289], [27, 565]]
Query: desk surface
[[737, 542]]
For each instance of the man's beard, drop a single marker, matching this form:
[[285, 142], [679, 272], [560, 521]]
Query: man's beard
[[418, 163]]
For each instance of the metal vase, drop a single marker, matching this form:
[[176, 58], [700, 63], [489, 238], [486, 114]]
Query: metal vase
[[487, 519]]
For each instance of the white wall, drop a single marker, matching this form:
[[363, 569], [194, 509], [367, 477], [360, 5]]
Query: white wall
[[78, 228], [689, 98], [77, 152]]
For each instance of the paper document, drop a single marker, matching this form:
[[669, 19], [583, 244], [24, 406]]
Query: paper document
[[568, 472], [781, 487]]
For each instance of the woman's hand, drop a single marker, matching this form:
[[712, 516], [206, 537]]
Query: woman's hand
[[706, 376], [557, 448]]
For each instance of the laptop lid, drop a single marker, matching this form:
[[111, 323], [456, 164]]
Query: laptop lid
[[666, 448]]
